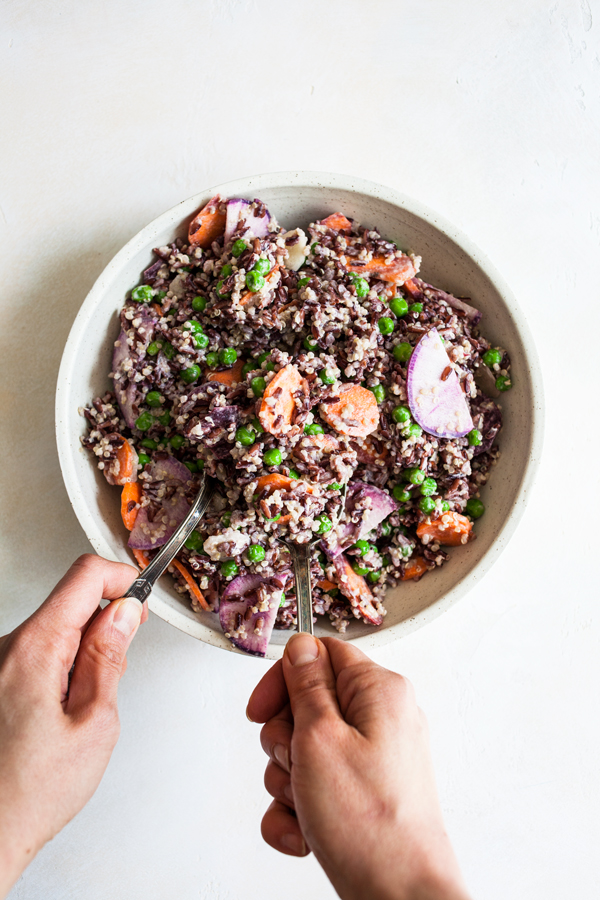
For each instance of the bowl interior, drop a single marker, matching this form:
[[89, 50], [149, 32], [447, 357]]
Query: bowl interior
[[449, 261]]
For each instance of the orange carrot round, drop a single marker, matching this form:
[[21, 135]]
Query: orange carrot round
[[127, 459], [337, 222], [396, 271], [356, 412], [414, 568], [278, 403], [141, 558], [208, 224], [228, 376], [130, 498], [450, 529]]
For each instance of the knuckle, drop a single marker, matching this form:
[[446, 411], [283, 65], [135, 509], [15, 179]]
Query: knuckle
[[105, 653]]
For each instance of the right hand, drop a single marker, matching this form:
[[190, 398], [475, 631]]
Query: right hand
[[351, 775]]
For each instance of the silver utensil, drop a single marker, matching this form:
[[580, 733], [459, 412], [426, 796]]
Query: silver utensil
[[300, 554], [142, 586]]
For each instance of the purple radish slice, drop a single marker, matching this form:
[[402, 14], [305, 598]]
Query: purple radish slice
[[366, 506], [435, 396], [247, 621], [128, 396], [242, 585], [174, 478], [433, 293], [241, 212]]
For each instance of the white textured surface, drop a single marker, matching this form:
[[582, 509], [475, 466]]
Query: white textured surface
[[489, 113]]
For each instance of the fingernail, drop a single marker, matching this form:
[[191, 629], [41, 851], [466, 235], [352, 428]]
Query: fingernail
[[282, 757], [249, 717], [127, 615], [295, 843], [302, 649]]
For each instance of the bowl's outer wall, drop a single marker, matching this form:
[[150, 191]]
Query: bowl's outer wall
[[449, 261]]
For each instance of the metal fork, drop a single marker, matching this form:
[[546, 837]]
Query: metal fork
[[300, 554]]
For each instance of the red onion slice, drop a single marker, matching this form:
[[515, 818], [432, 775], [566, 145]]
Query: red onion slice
[[435, 396]]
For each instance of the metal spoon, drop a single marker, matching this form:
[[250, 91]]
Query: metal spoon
[[142, 586]]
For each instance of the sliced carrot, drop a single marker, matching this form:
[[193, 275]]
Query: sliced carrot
[[450, 528], [412, 288], [127, 459], [141, 558], [271, 281], [326, 585], [414, 568], [208, 224], [274, 481], [195, 590], [337, 222], [396, 271], [157, 309], [227, 376], [278, 403], [130, 497], [356, 589], [356, 412]]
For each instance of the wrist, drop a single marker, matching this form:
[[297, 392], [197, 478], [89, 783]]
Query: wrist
[[17, 850]]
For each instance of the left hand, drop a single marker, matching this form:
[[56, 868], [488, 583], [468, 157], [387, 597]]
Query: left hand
[[56, 740]]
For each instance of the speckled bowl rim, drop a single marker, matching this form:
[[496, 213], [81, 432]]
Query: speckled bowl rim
[[254, 185]]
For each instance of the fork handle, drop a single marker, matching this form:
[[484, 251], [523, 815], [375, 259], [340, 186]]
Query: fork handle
[[301, 559]]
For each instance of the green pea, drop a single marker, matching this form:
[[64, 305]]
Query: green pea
[[201, 341], [325, 378], [219, 289], [142, 294], [160, 296], [153, 398], [255, 281], [144, 422], [414, 430], [238, 247], [295, 475], [325, 524], [263, 358], [193, 325], [226, 519], [474, 508], [475, 437], [402, 352], [152, 348], [192, 465], [169, 350], [212, 359], [399, 306], [426, 505], [334, 486], [414, 475], [416, 307], [256, 553], [428, 487], [149, 444], [227, 356], [302, 282], [401, 494], [363, 547], [185, 269], [379, 391], [199, 304], [227, 270], [256, 424], [246, 368], [272, 457], [195, 542], [314, 246], [315, 428], [361, 286], [445, 506], [200, 464], [322, 559], [258, 385], [262, 266], [229, 568], [164, 419], [246, 436], [401, 415], [309, 343], [191, 374], [177, 441], [386, 528], [386, 325], [373, 577], [143, 459], [503, 383], [492, 357], [360, 570]]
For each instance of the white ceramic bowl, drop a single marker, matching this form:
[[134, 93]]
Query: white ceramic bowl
[[450, 261]]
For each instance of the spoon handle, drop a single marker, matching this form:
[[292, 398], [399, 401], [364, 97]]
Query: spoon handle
[[301, 558]]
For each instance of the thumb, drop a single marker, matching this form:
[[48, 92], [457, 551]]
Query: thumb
[[310, 680], [101, 654]]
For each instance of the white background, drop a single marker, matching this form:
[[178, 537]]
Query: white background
[[488, 112]]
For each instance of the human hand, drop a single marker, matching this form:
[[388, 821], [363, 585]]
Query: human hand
[[351, 774], [55, 739]]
